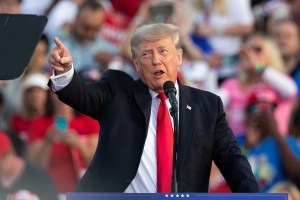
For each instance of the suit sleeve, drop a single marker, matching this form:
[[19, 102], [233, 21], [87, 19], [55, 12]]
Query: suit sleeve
[[87, 98], [233, 165]]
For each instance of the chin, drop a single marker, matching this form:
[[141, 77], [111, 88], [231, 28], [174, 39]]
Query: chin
[[158, 88]]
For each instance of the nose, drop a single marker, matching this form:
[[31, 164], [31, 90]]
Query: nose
[[156, 58]]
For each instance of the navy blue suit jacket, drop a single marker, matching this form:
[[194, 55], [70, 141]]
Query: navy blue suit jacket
[[122, 106]]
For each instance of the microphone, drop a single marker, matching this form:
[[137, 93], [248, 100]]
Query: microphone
[[170, 92]]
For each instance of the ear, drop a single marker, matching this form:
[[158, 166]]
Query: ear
[[179, 57], [136, 65]]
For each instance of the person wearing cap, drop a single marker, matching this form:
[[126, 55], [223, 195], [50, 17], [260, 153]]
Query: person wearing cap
[[20, 179], [34, 102], [12, 92], [269, 153]]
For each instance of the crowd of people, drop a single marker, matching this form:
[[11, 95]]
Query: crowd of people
[[246, 52]]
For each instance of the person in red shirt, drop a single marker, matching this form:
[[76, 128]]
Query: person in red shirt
[[34, 101], [63, 143]]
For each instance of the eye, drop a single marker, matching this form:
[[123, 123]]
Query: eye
[[163, 51], [146, 54]]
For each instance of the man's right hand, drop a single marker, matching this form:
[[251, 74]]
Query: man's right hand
[[60, 58]]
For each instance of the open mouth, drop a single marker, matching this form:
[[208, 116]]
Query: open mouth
[[158, 73]]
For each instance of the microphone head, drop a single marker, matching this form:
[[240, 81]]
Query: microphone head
[[169, 87]]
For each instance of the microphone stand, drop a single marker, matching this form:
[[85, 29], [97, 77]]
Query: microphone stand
[[174, 186]]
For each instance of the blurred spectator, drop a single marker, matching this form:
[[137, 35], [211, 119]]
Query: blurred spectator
[[128, 8], [87, 48], [10, 6], [220, 28], [12, 92], [34, 96], [35, 6], [63, 143], [261, 63], [20, 179], [268, 12], [287, 36], [286, 187], [295, 7], [269, 154], [119, 13], [37, 62], [294, 125], [199, 74], [58, 19]]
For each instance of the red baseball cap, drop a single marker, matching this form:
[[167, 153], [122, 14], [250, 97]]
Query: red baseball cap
[[262, 99], [5, 143]]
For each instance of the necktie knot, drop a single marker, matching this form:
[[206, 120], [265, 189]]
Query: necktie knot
[[162, 96]]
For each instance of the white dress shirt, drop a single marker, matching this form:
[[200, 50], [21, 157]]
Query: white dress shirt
[[145, 180]]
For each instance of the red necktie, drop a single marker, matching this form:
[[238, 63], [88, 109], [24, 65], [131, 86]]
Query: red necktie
[[164, 145]]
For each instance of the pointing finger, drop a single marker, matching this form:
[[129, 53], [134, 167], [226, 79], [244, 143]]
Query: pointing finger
[[58, 43]]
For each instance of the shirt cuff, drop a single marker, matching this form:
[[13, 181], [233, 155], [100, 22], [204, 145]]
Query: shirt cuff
[[62, 80]]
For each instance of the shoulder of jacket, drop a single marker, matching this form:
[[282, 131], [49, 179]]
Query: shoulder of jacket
[[200, 93], [117, 74]]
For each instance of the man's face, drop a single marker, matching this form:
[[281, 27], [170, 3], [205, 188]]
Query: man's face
[[88, 24], [157, 62], [287, 39]]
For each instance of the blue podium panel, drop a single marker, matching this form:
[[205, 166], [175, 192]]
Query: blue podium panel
[[177, 196]]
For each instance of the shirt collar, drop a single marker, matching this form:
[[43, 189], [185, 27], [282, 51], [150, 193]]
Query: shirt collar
[[154, 94]]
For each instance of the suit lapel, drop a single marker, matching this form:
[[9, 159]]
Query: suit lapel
[[186, 113], [143, 100], [186, 121]]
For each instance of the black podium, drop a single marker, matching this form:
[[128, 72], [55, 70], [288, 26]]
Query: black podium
[[19, 34]]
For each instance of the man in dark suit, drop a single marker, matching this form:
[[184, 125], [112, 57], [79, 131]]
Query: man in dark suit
[[125, 159]]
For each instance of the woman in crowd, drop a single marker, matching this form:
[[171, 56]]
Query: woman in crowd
[[260, 64]]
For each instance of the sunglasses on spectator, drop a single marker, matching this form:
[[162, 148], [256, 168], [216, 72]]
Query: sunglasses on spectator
[[256, 49]]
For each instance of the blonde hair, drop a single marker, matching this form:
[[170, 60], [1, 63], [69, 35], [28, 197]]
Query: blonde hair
[[218, 6], [152, 32], [274, 59]]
